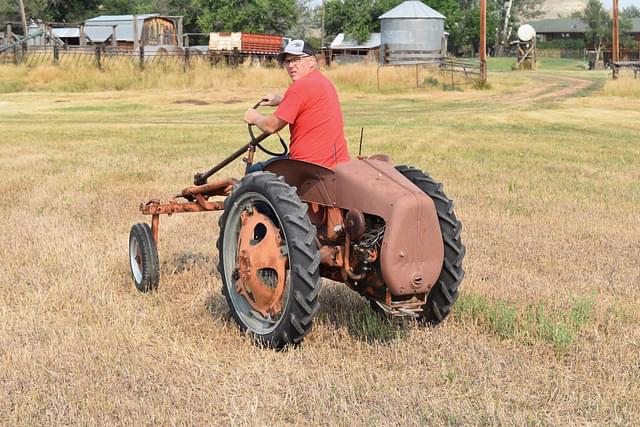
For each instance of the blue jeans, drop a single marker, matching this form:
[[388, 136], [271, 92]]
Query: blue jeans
[[256, 167]]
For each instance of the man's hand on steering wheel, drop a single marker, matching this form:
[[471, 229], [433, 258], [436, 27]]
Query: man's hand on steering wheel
[[252, 118], [271, 100]]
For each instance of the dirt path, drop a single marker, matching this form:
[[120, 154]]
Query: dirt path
[[549, 87]]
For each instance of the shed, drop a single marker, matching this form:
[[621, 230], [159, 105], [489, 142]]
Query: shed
[[70, 36], [412, 33], [345, 50], [150, 30]]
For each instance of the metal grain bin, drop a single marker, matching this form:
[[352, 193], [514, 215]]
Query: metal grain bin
[[412, 32]]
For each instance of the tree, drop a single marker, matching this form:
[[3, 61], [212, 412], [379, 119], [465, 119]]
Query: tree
[[261, 16], [508, 12], [599, 26], [630, 12], [352, 17], [626, 26]]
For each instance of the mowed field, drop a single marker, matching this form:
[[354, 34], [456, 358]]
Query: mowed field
[[544, 168]]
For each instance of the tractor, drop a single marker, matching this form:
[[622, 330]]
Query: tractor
[[387, 232]]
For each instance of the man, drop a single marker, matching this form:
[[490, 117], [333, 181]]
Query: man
[[310, 107]]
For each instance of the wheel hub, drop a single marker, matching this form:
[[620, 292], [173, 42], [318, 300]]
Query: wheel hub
[[261, 265]]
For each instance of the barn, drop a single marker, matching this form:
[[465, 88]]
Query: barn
[[346, 51], [129, 31]]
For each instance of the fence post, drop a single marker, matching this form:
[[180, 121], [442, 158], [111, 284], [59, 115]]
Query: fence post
[[186, 59], [98, 61], [15, 54], [56, 54], [141, 57], [236, 57]]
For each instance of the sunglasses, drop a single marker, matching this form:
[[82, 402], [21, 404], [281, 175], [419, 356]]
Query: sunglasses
[[294, 60]]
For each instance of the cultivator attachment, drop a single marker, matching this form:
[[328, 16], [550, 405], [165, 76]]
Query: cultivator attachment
[[197, 200]]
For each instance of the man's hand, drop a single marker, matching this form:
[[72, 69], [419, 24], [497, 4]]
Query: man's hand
[[251, 116], [271, 100]]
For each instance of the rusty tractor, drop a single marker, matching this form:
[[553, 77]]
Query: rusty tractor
[[388, 232]]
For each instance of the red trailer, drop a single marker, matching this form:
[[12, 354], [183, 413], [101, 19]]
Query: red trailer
[[245, 43]]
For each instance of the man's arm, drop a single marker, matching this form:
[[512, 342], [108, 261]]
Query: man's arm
[[269, 124]]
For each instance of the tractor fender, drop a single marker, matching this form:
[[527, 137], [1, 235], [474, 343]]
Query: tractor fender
[[412, 250]]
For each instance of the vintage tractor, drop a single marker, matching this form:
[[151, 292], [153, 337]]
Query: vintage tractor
[[388, 232]]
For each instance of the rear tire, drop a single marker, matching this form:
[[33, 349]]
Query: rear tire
[[143, 258], [445, 291], [281, 210]]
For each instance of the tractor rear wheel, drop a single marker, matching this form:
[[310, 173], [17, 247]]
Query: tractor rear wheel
[[445, 291], [269, 261]]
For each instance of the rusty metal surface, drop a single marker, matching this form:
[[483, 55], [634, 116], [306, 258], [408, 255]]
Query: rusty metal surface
[[335, 223], [314, 183], [355, 224], [332, 256], [155, 226], [412, 251], [261, 263], [155, 207], [220, 187], [406, 308]]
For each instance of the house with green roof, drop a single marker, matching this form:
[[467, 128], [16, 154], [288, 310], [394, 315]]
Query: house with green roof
[[570, 28]]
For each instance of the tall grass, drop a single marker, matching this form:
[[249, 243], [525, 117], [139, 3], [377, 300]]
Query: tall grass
[[625, 86], [127, 75]]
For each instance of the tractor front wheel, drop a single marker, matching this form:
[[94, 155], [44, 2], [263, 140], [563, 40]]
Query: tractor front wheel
[[445, 291], [269, 261], [143, 258]]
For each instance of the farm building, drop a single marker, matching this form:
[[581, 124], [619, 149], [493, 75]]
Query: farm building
[[117, 31], [559, 29], [570, 28], [346, 51], [412, 33], [125, 31]]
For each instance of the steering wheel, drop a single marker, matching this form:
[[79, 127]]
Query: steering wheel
[[285, 150]]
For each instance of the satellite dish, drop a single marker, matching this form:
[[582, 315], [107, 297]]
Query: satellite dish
[[526, 33]]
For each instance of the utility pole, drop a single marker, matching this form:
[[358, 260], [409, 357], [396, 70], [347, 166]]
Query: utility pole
[[322, 27], [483, 41], [616, 33], [24, 19]]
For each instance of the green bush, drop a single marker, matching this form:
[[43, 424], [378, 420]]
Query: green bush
[[562, 44]]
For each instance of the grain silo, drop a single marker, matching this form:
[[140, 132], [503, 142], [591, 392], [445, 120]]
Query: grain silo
[[411, 33]]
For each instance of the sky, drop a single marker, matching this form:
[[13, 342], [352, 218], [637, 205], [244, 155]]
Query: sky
[[622, 3]]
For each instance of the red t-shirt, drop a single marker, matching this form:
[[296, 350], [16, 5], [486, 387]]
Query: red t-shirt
[[312, 109]]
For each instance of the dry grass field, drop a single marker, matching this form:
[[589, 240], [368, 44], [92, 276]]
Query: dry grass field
[[544, 168]]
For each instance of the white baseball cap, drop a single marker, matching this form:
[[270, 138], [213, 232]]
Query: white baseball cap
[[297, 48]]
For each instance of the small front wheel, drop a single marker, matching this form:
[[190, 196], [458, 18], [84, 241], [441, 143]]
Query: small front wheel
[[143, 258]]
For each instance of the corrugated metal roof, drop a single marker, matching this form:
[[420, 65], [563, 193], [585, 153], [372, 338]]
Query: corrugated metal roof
[[560, 25], [101, 34], [66, 32], [341, 43], [100, 28], [412, 9], [115, 19]]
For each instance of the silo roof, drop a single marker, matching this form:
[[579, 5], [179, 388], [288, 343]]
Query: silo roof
[[412, 9]]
